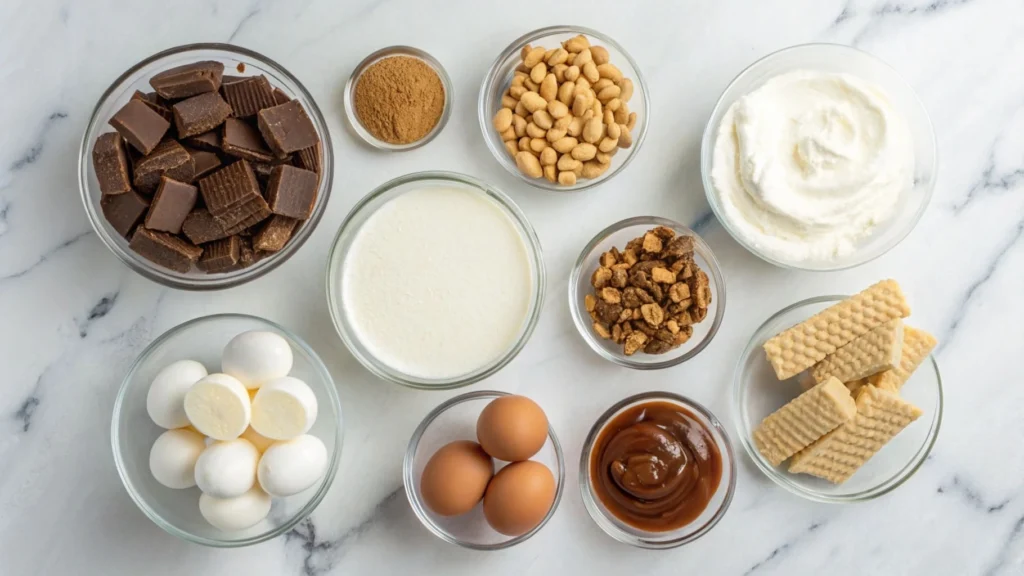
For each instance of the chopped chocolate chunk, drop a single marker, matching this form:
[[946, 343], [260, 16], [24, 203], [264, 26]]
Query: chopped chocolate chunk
[[171, 204], [209, 141], [200, 114], [124, 211], [230, 186], [247, 256], [205, 162], [200, 227], [164, 249], [274, 234], [292, 191], [249, 95], [140, 125], [263, 171], [154, 104], [286, 128], [230, 79], [311, 158], [237, 219], [244, 141], [111, 164], [188, 80], [221, 256], [280, 97], [168, 159]]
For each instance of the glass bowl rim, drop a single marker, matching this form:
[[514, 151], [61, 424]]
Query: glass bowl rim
[[590, 500], [329, 474], [197, 282], [410, 481], [884, 487], [387, 52], [491, 77], [708, 138], [579, 317], [534, 253]]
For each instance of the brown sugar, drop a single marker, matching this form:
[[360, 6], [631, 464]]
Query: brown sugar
[[399, 99]]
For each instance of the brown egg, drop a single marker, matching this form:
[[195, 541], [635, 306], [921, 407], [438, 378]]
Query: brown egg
[[512, 428], [519, 497], [456, 477]]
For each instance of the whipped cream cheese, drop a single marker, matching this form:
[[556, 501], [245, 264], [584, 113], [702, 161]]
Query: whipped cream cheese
[[811, 163]]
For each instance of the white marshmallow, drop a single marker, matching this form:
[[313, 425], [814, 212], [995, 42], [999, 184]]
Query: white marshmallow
[[227, 469], [218, 406], [238, 513], [284, 408], [290, 467], [256, 357], [165, 401], [172, 459], [258, 440]]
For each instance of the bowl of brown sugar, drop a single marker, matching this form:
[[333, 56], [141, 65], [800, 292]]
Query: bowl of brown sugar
[[398, 98]]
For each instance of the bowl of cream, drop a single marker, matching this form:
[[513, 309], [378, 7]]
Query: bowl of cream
[[819, 157], [435, 280]]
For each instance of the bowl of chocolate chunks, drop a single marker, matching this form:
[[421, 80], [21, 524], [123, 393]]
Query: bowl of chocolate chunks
[[205, 166]]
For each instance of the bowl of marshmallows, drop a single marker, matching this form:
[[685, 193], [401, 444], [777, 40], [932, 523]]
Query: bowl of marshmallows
[[227, 430]]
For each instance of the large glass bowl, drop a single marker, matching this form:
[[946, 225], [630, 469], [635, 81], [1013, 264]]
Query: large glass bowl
[[499, 77], [132, 432], [456, 420], [757, 392], [836, 58], [347, 234], [137, 78]]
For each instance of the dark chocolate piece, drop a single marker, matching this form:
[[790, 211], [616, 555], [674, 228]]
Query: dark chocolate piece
[[292, 191], [311, 158], [221, 256], [140, 125], [168, 159], [209, 141], [286, 128], [188, 80], [274, 234], [200, 227], [233, 197], [124, 211], [171, 204], [111, 164], [205, 162], [237, 219], [242, 140], [230, 79], [154, 104], [164, 249], [280, 97], [200, 114], [249, 95]]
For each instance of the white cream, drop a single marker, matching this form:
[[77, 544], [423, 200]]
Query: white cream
[[437, 282], [809, 164]]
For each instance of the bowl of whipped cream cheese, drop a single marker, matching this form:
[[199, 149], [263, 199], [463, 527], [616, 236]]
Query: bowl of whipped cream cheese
[[819, 157]]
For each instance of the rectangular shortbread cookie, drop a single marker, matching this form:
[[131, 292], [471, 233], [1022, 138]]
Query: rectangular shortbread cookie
[[807, 343], [881, 415], [874, 352], [803, 420]]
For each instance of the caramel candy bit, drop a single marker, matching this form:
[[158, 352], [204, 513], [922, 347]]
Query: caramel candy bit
[[653, 314], [659, 274], [652, 243]]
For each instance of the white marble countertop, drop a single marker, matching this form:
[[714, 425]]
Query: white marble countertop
[[72, 317]]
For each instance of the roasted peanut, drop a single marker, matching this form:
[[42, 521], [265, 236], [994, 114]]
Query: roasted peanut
[[565, 145], [529, 164], [548, 156], [519, 124], [555, 134], [549, 173], [579, 105], [533, 57], [603, 158], [558, 56], [608, 93], [524, 143], [538, 72], [559, 71], [592, 130], [626, 85], [572, 73], [509, 133], [626, 138], [622, 114], [512, 147], [613, 131], [517, 91], [549, 88], [613, 104], [521, 110], [602, 84], [542, 119], [548, 53], [567, 178], [565, 92], [533, 102], [631, 122], [575, 127], [593, 169], [600, 54], [590, 72], [576, 43], [608, 144], [525, 51], [557, 109], [584, 152], [508, 101], [568, 163], [503, 120], [582, 57], [530, 84], [610, 71], [534, 131], [538, 144]]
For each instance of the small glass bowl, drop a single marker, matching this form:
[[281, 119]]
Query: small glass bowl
[[499, 77], [132, 433], [359, 215], [137, 78], [618, 235], [350, 92], [836, 58], [660, 540], [757, 393], [456, 420]]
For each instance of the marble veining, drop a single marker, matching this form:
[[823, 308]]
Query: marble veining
[[73, 318]]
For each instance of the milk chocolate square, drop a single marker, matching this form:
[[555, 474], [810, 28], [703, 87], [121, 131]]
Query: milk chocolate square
[[208, 141], [244, 141], [188, 80], [164, 249], [292, 191], [249, 95], [124, 211], [168, 159], [140, 125], [171, 204], [111, 164], [200, 114], [200, 227], [204, 162], [221, 256], [231, 186], [286, 128], [274, 234]]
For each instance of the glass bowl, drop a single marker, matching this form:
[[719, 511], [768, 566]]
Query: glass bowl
[[132, 433], [137, 78], [456, 420], [618, 235], [836, 58], [757, 393], [703, 524], [499, 77], [343, 242], [350, 91]]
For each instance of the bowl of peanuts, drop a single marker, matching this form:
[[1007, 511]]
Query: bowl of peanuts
[[565, 108]]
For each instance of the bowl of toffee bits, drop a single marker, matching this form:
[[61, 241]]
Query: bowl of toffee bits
[[647, 293], [398, 98], [205, 166]]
